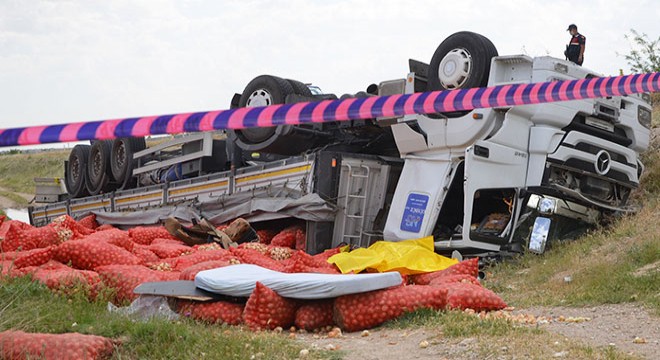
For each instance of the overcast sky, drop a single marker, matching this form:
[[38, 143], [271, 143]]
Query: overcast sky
[[70, 61]]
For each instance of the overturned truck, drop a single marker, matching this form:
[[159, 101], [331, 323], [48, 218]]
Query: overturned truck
[[487, 181]]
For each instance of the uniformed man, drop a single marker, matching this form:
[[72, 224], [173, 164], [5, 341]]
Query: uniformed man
[[575, 49]]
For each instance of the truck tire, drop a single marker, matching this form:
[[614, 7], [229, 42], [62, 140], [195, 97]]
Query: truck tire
[[76, 171], [99, 174], [284, 139], [121, 160], [300, 88], [461, 61], [263, 90]]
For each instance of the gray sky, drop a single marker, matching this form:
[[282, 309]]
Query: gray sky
[[68, 61]]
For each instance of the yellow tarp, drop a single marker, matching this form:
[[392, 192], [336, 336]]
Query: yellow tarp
[[407, 257]]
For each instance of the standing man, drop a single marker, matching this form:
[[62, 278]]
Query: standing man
[[575, 49]]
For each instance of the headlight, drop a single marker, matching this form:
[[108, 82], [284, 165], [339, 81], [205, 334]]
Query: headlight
[[547, 206], [562, 68], [644, 116], [646, 97]]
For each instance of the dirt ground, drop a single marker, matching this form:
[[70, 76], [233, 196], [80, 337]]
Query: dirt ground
[[6, 203], [608, 325]]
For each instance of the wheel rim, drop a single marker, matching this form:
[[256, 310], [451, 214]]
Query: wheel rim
[[455, 68], [96, 165], [121, 155], [75, 170], [260, 97]]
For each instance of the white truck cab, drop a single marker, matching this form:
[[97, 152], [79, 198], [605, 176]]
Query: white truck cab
[[469, 178]]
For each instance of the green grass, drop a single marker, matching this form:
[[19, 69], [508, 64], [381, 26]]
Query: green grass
[[604, 266], [19, 170], [31, 307]]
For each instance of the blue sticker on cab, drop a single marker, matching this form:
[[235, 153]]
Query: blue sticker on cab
[[413, 214]]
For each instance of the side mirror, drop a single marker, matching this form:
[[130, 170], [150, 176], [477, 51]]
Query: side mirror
[[539, 236]]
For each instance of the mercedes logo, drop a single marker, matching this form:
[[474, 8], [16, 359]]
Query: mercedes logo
[[603, 162]]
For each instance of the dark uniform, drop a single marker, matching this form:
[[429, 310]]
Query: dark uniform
[[573, 48]]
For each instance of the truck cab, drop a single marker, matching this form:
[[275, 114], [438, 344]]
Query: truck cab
[[499, 179]]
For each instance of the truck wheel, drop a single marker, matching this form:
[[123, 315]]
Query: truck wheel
[[121, 159], [461, 61], [299, 88], [76, 171], [263, 90], [99, 174]]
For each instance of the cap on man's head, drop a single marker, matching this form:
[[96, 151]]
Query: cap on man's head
[[572, 26]]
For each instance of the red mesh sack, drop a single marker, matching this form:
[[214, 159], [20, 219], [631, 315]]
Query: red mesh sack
[[88, 254], [35, 257], [217, 312], [165, 251], [113, 236], [18, 345], [167, 241], [279, 253], [185, 261], [251, 256], [7, 268], [465, 267], [286, 237], [301, 262], [124, 278], [315, 315], [144, 254], [208, 247], [89, 222], [50, 265], [366, 310], [469, 296], [190, 272], [11, 255], [301, 239], [265, 309], [262, 248], [105, 227], [327, 254], [67, 278], [266, 236], [67, 228], [14, 225], [146, 234], [169, 275], [28, 239], [452, 279], [109, 235]]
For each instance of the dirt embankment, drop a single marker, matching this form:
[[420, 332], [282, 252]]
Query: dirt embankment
[[7, 203], [628, 328]]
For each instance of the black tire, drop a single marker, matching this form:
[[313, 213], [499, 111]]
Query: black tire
[[263, 90], [469, 51], [99, 174], [76, 171], [299, 88], [121, 160]]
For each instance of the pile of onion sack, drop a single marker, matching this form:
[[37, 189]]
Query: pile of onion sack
[[69, 254]]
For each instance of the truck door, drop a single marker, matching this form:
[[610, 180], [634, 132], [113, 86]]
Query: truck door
[[494, 175], [418, 197]]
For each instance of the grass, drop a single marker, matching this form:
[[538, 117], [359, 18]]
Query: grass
[[32, 307], [18, 178]]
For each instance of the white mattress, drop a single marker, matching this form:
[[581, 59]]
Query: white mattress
[[239, 280]]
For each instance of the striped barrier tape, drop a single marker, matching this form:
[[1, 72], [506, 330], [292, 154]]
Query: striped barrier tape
[[336, 110]]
